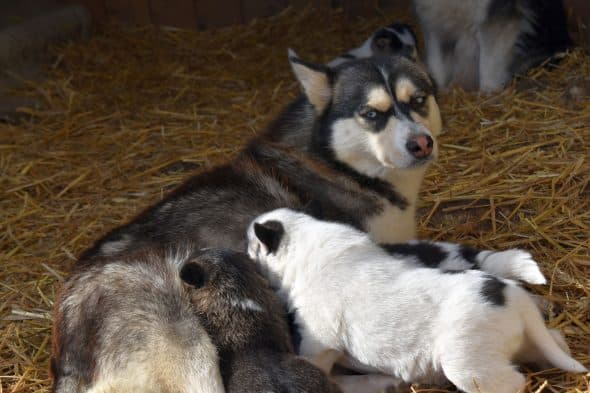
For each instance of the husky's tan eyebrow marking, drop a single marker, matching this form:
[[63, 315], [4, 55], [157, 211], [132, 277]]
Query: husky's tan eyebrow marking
[[404, 90], [380, 99]]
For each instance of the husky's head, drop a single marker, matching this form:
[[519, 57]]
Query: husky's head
[[375, 115]]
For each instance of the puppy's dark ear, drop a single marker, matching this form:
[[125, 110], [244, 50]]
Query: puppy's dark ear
[[315, 80], [314, 209], [193, 274], [270, 234]]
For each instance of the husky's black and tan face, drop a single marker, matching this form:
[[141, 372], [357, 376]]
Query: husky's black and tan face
[[377, 114]]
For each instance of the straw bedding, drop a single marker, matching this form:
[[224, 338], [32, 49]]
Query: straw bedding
[[128, 114]]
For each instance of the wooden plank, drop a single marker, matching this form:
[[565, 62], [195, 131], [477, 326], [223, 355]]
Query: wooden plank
[[218, 13], [128, 12], [177, 13], [578, 12], [252, 9], [96, 7], [319, 4]]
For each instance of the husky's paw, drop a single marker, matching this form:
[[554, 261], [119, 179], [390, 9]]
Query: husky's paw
[[514, 264]]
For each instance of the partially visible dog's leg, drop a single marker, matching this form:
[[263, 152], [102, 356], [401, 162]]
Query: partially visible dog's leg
[[372, 383], [323, 358], [497, 40], [489, 374], [438, 57]]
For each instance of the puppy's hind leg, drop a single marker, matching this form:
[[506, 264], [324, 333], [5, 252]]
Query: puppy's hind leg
[[481, 373], [372, 383]]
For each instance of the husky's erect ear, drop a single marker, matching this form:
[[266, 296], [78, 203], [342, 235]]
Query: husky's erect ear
[[315, 80], [193, 274], [269, 233]]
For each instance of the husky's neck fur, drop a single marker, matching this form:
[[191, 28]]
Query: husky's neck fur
[[301, 129]]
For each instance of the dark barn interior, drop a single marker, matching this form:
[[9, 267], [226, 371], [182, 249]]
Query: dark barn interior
[[107, 105]]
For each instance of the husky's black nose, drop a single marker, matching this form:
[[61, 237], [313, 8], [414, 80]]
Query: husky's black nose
[[420, 146]]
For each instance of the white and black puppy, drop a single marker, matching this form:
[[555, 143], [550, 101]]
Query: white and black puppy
[[246, 321], [397, 38], [396, 317], [481, 45], [126, 324]]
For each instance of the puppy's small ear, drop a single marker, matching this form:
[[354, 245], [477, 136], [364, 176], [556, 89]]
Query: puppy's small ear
[[193, 274], [270, 234], [315, 80]]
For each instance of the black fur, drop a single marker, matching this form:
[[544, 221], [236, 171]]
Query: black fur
[[469, 254], [492, 291], [213, 209], [428, 254], [270, 234]]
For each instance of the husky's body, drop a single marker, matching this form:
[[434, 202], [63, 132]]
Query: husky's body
[[126, 324], [324, 151], [481, 45]]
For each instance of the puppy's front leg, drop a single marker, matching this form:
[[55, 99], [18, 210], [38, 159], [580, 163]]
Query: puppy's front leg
[[325, 359], [372, 383]]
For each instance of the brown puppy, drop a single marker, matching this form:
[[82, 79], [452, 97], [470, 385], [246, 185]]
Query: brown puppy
[[247, 323]]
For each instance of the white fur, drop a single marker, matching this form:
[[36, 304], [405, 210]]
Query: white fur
[[485, 45], [413, 323], [384, 155]]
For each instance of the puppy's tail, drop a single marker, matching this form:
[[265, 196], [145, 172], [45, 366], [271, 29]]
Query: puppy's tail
[[514, 264], [540, 337]]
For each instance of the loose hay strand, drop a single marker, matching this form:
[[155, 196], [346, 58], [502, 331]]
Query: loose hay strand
[[129, 113]]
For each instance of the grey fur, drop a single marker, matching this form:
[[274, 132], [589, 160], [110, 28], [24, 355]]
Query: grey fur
[[126, 324], [246, 320]]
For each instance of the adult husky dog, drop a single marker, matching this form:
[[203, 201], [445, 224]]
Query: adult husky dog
[[354, 146]]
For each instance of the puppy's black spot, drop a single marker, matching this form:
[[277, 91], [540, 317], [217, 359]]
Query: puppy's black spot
[[469, 254], [428, 254], [492, 291], [270, 234], [193, 274]]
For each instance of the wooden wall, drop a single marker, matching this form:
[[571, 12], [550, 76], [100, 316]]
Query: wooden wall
[[203, 14], [194, 14]]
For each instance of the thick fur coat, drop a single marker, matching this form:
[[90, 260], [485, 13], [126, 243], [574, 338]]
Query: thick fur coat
[[397, 317]]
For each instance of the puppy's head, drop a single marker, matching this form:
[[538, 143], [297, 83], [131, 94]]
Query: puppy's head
[[397, 38], [236, 304], [270, 237], [376, 114]]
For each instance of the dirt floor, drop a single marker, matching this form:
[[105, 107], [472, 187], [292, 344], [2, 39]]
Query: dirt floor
[[128, 114]]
